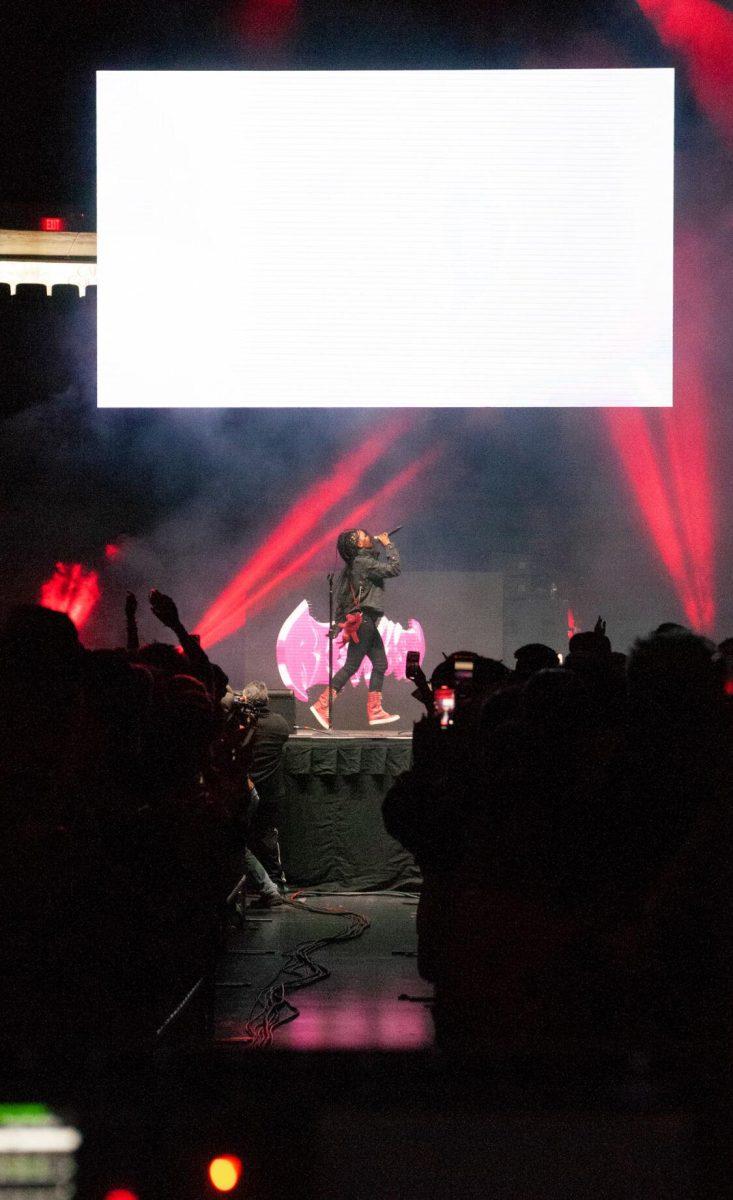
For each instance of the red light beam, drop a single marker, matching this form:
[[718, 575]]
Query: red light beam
[[354, 518], [686, 444], [72, 589], [702, 32], [630, 434], [302, 517]]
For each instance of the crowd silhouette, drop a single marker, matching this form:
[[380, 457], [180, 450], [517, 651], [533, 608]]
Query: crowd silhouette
[[125, 806], [572, 826], [573, 829]]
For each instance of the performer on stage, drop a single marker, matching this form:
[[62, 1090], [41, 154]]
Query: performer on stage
[[359, 606]]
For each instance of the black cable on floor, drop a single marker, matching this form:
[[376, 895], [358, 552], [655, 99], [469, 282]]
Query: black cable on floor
[[399, 895], [272, 1008]]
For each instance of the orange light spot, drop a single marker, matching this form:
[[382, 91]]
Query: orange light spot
[[225, 1172]]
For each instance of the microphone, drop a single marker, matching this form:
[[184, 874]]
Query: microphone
[[397, 530]]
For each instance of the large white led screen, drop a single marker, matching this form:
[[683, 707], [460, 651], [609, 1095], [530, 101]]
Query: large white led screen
[[359, 238]]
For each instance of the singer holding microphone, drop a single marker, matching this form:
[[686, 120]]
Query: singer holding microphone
[[359, 606]]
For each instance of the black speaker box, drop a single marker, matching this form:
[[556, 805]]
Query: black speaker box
[[284, 704]]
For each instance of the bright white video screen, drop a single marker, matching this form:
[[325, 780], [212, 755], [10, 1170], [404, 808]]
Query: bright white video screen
[[385, 238]]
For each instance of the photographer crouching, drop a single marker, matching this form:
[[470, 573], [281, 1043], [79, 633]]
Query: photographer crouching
[[252, 763], [270, 734]]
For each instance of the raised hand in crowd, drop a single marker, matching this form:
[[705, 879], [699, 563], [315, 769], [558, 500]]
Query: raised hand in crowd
[[133, 638], [166, 610]]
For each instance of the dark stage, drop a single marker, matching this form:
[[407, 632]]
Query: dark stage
[[333, 836]]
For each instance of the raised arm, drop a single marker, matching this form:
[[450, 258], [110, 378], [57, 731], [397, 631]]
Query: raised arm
[[133, 638], [166, 611], [388, 569]]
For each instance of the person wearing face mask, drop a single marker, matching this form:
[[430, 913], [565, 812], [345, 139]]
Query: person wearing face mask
[[359, 607]]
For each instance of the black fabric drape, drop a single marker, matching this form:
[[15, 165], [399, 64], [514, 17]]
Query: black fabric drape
[[333, 835]]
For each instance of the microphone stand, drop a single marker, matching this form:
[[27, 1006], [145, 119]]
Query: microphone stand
[[329, 577]]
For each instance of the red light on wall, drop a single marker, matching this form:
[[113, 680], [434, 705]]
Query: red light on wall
[[120, 1194], [72, 589], [225, 1172], [52, 224], [268, 22]]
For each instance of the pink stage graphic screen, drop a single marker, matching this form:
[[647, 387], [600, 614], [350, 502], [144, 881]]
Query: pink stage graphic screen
[[302, 651]]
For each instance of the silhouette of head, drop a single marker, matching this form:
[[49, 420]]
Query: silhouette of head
[[535, 657]]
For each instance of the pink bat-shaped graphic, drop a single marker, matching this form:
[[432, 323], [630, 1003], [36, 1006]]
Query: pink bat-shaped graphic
[[302, 650]]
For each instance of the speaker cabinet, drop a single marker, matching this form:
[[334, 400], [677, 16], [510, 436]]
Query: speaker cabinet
[[283, 702]]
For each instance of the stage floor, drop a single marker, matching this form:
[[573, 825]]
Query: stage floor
[[358, 1006], [366, 734]]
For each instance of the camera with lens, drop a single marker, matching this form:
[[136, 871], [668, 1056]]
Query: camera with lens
[[234, 746]]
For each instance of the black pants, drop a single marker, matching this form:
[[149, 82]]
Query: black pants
[[371, 646], [263, 837]]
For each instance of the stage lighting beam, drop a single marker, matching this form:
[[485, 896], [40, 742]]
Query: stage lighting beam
[[354, 518], [72, 589], [298, 522], [631, 436], [702, 33]]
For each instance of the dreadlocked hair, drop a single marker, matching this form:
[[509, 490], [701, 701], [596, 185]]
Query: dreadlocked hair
[[346, 545], [348, 549]]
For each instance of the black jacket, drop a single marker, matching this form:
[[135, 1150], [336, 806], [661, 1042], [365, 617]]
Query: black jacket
[[270, 735], [367, 578]]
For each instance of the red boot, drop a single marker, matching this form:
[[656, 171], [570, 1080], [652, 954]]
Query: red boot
[[375, 712], [320, 708]]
